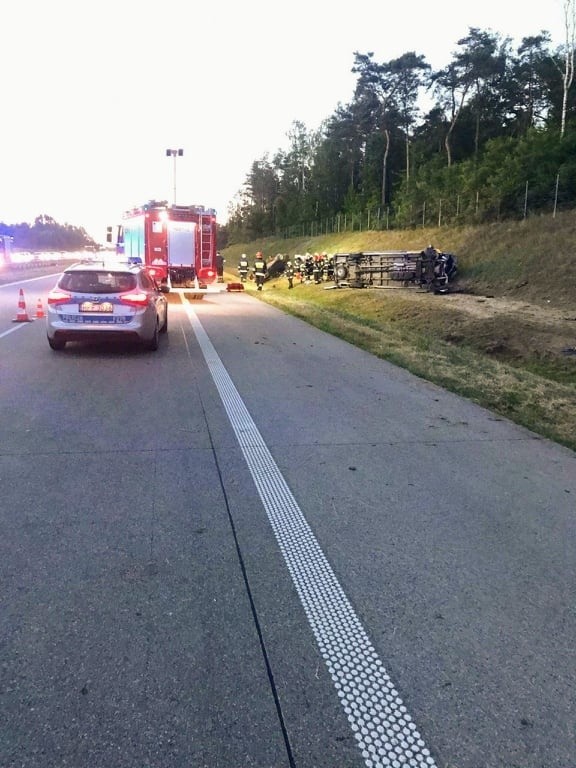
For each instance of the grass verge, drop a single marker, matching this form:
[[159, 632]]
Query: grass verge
[[396, 330]]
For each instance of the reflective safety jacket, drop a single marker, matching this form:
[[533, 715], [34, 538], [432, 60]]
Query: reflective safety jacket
[[260, 267]]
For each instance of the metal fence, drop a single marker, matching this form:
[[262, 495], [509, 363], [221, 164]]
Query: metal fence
[[447, 211]]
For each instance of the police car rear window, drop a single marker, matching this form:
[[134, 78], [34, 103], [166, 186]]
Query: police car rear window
[[97, 282]]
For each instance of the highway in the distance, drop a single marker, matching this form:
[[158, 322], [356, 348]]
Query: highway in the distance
[[261, 546]]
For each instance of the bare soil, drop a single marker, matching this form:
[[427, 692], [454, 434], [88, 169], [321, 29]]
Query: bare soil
[[522, 328]]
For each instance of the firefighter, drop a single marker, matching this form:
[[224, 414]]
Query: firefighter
[[429, 263], [259, 270], [299, 268], [289, 272], [243, 268], [316, 268]]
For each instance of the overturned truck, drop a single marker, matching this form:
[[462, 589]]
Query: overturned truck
[[430, 269]]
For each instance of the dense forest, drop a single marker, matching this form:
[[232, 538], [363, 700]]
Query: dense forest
[[497, 141], [46, 234]]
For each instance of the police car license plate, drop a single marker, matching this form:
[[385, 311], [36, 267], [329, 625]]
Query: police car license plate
[[93, 306]]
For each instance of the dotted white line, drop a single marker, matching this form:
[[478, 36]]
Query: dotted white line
[[382, 727]]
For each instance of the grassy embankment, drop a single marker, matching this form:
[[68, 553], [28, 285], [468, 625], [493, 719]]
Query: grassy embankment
[[516, 363]]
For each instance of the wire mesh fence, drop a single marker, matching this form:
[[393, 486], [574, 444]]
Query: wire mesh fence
[[448, 210]]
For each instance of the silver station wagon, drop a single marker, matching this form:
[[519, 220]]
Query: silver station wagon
[[97, 301]]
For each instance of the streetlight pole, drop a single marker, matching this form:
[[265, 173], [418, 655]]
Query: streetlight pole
[[174, 153]]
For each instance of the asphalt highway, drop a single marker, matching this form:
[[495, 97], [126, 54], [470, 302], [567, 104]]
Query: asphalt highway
[[261, 546]]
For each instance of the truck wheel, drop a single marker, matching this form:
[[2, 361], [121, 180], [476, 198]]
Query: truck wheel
[[341, 272]]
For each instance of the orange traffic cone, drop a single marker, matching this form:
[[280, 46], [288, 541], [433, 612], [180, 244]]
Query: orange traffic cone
[[22, 316], [39, 309]]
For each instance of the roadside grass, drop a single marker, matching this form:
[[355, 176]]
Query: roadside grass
[[407, 332], [531, 259], [508, 364]]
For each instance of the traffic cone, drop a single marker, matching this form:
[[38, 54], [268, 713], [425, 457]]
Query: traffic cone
[[22, 315], [39, 309]]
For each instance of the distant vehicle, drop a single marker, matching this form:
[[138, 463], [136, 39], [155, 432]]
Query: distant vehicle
[[99, 300], [176, 242], [5, 251]]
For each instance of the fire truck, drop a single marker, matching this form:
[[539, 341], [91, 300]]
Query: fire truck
[[176, 242], [5, 251]]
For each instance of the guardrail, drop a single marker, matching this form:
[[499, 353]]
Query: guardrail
[[20, 266], [38, 266]]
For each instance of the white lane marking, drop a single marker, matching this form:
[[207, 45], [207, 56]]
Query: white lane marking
[[382, 726], [19, 282], [11, 330], [29, 280]]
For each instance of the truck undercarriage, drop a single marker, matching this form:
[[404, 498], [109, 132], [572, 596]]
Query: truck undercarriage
[[430, 269]]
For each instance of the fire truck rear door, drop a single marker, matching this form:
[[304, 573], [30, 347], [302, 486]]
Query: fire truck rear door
[[181, 243]]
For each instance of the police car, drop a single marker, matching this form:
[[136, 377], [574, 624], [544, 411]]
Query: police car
[[98, 300]]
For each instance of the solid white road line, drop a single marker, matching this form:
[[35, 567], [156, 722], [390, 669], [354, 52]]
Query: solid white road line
[[383, 728], [11, 330], [29, 280]]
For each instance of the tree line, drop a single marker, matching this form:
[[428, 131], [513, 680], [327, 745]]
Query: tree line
[[497, 140], [46, 234]]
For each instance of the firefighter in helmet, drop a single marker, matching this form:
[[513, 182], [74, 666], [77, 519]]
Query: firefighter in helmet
[[243, 267], [259, 270], [290, 272]]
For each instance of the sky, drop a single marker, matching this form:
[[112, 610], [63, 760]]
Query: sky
[[94, 92]]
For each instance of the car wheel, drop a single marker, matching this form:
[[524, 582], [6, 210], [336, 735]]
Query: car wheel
[[152, 344], [164, 328], [57, 344]]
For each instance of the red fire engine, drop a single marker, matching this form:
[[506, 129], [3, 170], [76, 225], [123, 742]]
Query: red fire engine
[[176, 242]]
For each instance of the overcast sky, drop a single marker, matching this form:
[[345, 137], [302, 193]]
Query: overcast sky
[[94, 93]]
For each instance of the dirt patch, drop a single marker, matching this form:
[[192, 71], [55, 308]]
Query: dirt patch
[[527, 327], [496, 325]]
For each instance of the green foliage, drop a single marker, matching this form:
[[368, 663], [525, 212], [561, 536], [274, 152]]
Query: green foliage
[[490, 146], [46, 234]]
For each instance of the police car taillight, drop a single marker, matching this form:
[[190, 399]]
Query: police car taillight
[[59, 296], [134, 298]]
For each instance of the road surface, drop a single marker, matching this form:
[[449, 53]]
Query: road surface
[[261, 546]]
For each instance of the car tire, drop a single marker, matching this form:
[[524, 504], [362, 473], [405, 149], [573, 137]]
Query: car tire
[[56, 344], [152, 344], [164, 328]]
